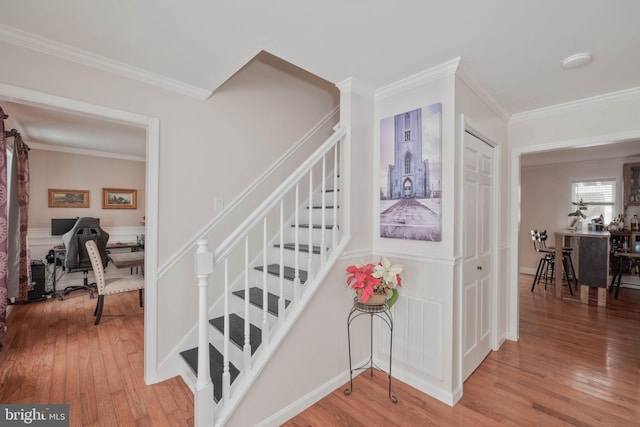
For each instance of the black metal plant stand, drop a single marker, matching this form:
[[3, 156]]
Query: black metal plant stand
[[381, 311]]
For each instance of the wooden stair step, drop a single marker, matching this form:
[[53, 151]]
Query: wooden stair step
[[255, 298], [289, 273], [216, 365], [236, 331]]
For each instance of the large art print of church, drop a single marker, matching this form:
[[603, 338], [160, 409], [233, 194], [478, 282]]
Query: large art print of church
[[409, 176], [410, 147]]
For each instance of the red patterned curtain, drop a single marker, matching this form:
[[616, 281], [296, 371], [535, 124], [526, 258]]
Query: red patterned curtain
[[3, 230], [21, 153]]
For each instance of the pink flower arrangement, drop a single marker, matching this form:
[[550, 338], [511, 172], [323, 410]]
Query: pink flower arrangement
[[381, 278]]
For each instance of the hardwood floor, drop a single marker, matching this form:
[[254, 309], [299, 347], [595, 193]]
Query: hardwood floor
[[574, 364], [55, 354]]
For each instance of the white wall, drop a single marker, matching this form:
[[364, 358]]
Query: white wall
[[212, 148], [484, 118], [423, 351]]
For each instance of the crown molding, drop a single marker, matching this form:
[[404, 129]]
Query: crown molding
[[31, 41], [598, 100], [424, 77], [483, 91], [84, 152], [355, 86]]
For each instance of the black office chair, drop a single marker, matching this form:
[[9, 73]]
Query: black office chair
[[76, 256]]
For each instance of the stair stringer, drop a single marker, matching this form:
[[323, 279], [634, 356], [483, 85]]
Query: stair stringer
[[243, 383]]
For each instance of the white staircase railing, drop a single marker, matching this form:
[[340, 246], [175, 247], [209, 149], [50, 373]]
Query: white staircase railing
[[234, 261]]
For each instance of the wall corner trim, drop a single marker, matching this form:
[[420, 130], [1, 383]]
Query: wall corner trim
[[423, 77]]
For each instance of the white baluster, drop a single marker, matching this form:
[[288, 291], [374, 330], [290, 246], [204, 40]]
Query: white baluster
[[247, 330], [204, 386], [296, 238], [226, 375], [334, 227], [265, 291], [281, 300], [323, 243], [310, 257]]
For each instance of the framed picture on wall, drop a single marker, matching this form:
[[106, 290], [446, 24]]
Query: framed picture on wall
[[410, 174], [68, 198], [119, 198], [631, 183]]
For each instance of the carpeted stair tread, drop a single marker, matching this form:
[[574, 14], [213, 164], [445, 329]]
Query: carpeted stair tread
[[236, 331], [255, 298], [314, 226], [303, 248], [216, 362], [289, 273]]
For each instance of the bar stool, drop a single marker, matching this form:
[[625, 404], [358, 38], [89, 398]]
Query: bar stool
[[623, 257], [547, 262]]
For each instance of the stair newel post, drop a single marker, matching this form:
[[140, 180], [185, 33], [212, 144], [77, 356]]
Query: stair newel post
[[334, 227], [281, 305], [310, 257], [226, 374], [246, 349], [204, 386], [296, 238], [323, 243], [265, 290]]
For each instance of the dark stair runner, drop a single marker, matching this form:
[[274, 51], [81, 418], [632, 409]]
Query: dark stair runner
[[236, 331], [289, 273], [255, 298], [301, 247], [216, 364]]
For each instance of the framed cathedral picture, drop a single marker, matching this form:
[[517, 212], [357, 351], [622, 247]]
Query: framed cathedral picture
[[410, 174]]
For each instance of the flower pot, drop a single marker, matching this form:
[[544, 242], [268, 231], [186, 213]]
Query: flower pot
[[375, 299]]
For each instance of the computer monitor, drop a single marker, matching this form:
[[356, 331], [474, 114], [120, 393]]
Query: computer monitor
[[59, 226]]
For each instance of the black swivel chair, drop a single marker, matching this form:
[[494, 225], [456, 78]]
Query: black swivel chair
[[76, 256]]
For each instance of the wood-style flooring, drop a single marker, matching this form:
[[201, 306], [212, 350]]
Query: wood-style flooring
[[53, 353], [573, 365]]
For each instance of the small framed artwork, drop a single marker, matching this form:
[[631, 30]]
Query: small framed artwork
[[119, 198], [631, 184], [68, 198]]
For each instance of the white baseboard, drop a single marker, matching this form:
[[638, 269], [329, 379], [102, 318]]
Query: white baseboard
[[306, 401]]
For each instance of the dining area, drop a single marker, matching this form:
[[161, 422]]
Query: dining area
[[594, 264]]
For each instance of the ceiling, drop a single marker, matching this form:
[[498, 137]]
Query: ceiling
[[514, 48]]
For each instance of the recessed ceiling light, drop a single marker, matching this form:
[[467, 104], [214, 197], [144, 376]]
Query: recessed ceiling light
[[577, 60]]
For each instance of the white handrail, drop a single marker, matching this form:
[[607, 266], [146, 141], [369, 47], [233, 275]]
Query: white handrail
[[223, 249]]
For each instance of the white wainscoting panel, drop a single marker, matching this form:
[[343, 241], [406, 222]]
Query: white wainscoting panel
[[418, 339]]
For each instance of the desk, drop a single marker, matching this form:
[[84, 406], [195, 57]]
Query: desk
[[127, 259], [60, 250], [593, 262]]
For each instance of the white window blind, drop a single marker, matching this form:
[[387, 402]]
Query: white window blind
[[598, 195]]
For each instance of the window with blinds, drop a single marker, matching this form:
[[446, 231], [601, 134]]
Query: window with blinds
[[599, 195]]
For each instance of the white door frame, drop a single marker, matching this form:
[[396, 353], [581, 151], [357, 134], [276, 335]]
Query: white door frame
[[467, 126], [513, 320], [152, 125]]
